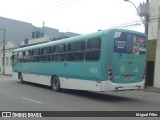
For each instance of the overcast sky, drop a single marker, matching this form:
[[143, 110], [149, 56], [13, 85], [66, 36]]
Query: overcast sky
[[80, 16]]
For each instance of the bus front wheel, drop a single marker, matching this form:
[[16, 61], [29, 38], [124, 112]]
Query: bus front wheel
[[21, 78], [55, 83]]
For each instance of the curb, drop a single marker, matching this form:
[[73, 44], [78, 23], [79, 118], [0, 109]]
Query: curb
[[152, 89]]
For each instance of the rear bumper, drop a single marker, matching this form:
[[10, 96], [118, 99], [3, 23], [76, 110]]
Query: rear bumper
[[108, 85]]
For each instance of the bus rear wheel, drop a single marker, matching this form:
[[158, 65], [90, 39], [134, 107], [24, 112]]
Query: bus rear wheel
[[55, 83]]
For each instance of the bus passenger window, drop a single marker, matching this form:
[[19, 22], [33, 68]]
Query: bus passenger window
[[93, 49], [46, 50], [36, 55], [75, 51], [58, 57], [14, 58], [46, 54], [21, 56], [36, 52], [93, 55], [28, 56], [60, 48], [59, 53]]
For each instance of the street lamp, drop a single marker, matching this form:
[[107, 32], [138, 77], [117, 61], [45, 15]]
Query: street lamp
[[136, 9], [3, 50], [132, 4]]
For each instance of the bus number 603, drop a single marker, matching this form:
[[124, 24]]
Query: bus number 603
[[93, 70]]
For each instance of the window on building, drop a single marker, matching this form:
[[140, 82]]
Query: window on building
[[37, 34], [42, 34], [33, 34]]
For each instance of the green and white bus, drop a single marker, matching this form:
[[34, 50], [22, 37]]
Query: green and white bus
[[111, 59]]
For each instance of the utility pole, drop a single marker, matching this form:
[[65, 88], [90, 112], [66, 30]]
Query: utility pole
[[146, 32], [3, 50], [146, 21], [157, 58], [144, 12]]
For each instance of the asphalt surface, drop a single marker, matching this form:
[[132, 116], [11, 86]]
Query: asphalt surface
[[15, 96]]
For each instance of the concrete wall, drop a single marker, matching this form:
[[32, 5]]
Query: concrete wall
[[153, 58], [157, 61], [152, 50], [8, 62], [153, 23], [16, 31]]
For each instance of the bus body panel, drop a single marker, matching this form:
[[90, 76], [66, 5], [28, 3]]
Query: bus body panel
[[90, 71]]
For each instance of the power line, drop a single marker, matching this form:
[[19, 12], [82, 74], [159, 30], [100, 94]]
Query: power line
[[133, 23], [55, 7], [42, 9]]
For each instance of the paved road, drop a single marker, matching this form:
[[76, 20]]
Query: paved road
[[15, 96]]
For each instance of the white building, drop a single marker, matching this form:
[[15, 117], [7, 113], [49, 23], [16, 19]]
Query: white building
[[154, 40], [35, 41], [19, 32], [8, 62], [9, 47]]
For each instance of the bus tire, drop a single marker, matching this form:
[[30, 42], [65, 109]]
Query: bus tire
[[55, 84], [21, 78]]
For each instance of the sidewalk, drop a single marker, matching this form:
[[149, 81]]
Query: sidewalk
[[152, 89]]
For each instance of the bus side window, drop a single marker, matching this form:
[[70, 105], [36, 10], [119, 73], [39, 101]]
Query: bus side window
[[21, 56], [46, 54], [75, 51], [59, 53], [93, 49], [36, 55], [28, 56], [14, 58]]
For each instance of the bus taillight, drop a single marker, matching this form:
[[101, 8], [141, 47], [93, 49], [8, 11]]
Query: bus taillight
[[110, 74]]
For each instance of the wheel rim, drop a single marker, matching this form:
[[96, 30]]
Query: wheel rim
[[55, 84], [21, 78]]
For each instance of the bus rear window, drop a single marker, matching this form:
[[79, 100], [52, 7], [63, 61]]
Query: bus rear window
[[129, 43]]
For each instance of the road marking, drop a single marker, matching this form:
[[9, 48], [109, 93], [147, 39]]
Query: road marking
[[31, 100]]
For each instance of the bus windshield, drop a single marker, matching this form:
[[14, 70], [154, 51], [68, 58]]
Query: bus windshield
[[129, 43]]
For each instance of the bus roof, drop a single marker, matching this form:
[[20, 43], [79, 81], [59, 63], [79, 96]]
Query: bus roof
[[71, 39]]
